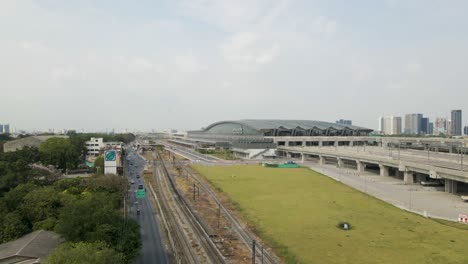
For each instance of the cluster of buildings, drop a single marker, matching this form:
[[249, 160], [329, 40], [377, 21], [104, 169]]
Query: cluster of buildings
[[418, 124], [4, 129], [111, 150], [344, 122], [97, 146]]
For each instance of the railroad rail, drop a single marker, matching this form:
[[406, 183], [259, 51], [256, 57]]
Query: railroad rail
[[246, 236], [182, 210]]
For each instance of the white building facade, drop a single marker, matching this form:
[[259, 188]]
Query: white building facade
[[390, 125], [94, 146]]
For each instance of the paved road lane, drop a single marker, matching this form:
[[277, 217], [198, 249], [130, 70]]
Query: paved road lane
[[153, 250]]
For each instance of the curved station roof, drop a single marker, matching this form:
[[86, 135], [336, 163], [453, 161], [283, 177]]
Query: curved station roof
[[274, 127]]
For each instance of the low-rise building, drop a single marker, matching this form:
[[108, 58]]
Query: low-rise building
[[32, 141], [94, 146], [31, 248]]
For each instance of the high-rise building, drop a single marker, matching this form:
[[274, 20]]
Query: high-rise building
[[430, 128], [465, 130], [6, 129], [1, 129], [440, 126], [390, 125], [413, 123], [381, 125], [344, 122], [424, 125], [456, 122], [449, 127]]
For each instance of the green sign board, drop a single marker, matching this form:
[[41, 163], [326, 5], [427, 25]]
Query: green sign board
[[140, 193], [110, 155]]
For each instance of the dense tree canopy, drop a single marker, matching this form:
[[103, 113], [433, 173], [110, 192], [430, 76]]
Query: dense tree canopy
[[84, 211], [80, 210], [84, 253], [60, 152]]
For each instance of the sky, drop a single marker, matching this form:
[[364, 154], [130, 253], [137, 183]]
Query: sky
[[184, 64]]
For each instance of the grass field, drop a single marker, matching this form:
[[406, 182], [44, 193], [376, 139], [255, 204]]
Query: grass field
[[297, 211]]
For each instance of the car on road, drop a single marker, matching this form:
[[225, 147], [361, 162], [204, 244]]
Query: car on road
[[138, 175], [140, 186], [132, 182]]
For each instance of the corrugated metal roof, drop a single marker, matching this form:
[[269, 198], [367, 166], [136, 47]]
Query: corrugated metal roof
[[291, 124]]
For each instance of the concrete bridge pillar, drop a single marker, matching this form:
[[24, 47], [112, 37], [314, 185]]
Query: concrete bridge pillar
[[351, 143], [383, 170], [340, 163], [288, 154], [321, 160], [408, 177], [450, 186], [320, 143], [302, 157], [360, 166]]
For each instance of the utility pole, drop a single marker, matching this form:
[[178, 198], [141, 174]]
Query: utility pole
[[253, 251], [194, 191], [262, 254], [219, 214]]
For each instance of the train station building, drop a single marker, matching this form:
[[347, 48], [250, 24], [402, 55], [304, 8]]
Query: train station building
[[254, 138]]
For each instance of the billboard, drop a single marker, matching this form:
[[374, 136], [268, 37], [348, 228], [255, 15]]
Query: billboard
[[110, 158], [110, 162]]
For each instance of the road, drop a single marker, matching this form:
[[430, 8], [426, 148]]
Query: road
[[153, 250]]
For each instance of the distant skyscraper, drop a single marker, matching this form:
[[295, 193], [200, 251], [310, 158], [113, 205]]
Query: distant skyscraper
[[430, 128], [440, 126], [465, 130], [449, 127], [456, 122], [413, 123], [6, 128], [344, 122], [1, 129], [381, 125], [390, 125], [424, 125]]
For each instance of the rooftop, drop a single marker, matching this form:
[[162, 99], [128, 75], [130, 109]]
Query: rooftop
[[32, 247]]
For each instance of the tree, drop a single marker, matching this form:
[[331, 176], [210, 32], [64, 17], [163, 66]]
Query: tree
[[15, 197], [12, 227], [84, 253], [82, 217], [60, 152], [99, 165], [40, 205]]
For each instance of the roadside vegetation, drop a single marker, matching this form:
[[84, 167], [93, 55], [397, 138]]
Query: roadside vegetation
[[86, 212], [297, 211], [222, 154]]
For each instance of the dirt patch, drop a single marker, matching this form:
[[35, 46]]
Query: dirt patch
[[217, 226]]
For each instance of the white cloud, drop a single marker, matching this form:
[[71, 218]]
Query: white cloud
[[413, 67], [187, 63], [247, 50], [324, 25], [362, 72], [65, 73]]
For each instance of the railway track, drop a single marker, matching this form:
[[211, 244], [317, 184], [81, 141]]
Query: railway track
[[181, 218], [262, 256]]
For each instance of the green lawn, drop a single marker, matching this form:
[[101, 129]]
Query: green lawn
[[297, 211]]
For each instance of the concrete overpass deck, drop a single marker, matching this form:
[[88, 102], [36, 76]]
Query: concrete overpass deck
[[409, 162]]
